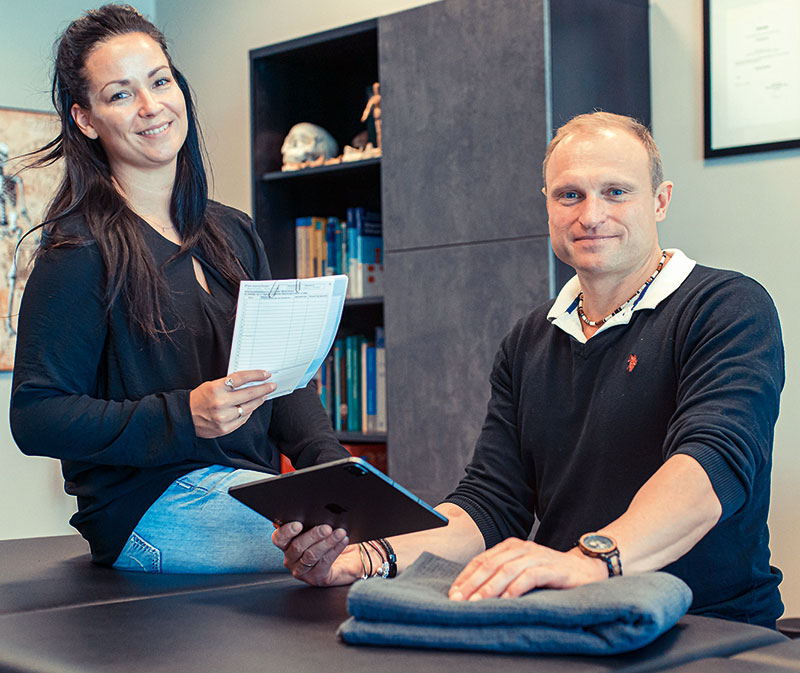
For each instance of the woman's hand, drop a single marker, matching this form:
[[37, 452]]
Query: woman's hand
[[218, 408], [320, 556]]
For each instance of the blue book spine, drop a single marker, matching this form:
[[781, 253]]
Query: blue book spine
[[371, 224], [371, 401], [333, 267], [353, 384], [367, 222], [370, 249], [368, 270], [352, 263], [338, 412]]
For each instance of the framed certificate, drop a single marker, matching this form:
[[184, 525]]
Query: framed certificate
[[752, 75]]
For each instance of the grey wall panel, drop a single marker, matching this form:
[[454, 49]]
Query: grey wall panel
[[465, 227], [611, 70], [445, 316], [464, 130]]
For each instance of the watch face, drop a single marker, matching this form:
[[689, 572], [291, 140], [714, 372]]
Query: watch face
[[598, 543]]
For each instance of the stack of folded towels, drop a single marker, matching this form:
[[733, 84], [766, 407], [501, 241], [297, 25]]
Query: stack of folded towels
[[609, 617]]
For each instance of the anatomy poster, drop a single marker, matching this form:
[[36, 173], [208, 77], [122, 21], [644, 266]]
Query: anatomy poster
[[23, 200]]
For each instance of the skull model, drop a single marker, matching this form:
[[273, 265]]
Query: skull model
[[308, 142]]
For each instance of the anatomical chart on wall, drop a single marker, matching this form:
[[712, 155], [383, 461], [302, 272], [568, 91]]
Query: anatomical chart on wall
[[23, 199]]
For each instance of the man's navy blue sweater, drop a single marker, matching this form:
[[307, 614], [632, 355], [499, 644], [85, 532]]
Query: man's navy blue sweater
[[573, 430]]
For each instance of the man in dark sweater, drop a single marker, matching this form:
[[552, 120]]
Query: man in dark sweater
[[633, 416]]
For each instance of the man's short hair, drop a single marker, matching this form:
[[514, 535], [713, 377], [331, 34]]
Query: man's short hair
[[597, 121]]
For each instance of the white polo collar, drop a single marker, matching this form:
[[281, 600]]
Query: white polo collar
[[564, 314]]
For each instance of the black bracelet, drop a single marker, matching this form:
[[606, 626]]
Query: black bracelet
[[391, 560], [378, 550], [383, 571], [369, 556]]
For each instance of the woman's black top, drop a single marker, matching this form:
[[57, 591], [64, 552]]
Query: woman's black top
[[113, 404]]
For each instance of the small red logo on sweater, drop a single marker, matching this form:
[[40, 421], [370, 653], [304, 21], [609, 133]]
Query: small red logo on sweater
[[631, 362]]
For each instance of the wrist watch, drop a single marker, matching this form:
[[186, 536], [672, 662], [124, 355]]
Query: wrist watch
[[604, 547]]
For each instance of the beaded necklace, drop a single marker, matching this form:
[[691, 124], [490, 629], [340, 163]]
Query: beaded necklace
[[597, 323]]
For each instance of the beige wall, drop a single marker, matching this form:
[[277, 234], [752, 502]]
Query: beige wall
[[32, 498], [735, 213], [28, 32]]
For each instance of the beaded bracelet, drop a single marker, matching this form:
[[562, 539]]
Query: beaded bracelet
[[390, 564], [384, 570]]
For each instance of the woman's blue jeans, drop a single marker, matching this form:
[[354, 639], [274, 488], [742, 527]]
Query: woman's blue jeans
[[196, 527]]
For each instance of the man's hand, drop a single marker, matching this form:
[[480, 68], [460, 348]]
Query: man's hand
[[516, 566], [320, 556]]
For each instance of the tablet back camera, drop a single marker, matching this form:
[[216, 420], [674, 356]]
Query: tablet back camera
[[357, 470]]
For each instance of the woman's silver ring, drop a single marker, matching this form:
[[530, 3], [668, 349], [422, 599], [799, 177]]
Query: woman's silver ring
[[307, 565], [229, 383], [239, 410]]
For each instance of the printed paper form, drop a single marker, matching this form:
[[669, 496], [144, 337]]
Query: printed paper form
[[286, 327]]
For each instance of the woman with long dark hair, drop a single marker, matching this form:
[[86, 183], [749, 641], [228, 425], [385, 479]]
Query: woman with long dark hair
[[126, 322]]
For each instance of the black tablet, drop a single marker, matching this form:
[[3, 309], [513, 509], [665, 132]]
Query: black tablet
[[348, 493]]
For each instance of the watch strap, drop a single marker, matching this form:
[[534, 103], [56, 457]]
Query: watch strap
[[613, 562]]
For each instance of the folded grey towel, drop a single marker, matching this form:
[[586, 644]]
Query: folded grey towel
[[609, 617]]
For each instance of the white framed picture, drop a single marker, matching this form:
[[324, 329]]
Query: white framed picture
[[752, 75]]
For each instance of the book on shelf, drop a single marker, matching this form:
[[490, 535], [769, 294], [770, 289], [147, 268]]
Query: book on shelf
[[365, 252], [323, 379], [311, 251], [353, 376], [352, 383], [380, 380], [339, 410], [331, 246], [334, 241], [319, 249], [369, 418], [302, 227]]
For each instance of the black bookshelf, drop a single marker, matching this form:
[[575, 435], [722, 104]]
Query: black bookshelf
[[322, 79], [344, 171], [362, 437]]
